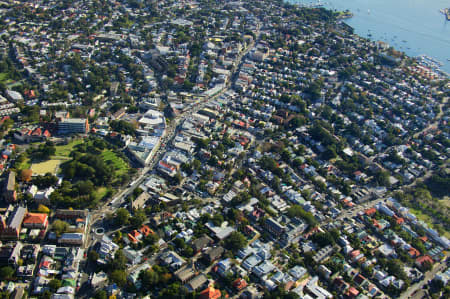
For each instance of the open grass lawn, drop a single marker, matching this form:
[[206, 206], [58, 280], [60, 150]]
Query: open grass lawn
[[111, 158], [3, 77], [26, 164], [61, 155], [100, 193], [64, 150], [427, 219], [48, 166]]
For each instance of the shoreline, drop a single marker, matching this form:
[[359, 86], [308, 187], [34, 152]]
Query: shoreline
[[342, 16]]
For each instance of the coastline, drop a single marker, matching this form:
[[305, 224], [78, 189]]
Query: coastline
[[400, 31]]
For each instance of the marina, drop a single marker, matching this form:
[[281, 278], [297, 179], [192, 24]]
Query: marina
[[395, 22]]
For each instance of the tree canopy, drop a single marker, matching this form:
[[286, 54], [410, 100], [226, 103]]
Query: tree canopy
[[235, 241]]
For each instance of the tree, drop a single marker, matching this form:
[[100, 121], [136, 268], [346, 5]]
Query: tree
[[149, 278], [43, 209], [217, 219], [122, 217], [93, 256], [395, 268], [174, 291], [6, 273], [119, 277], [280, 293], [422, 194], [60, 227], [124, 127], [46, 294], [235, 241], [101, 294], [119, 262], [298, 211], [55, 284], [25, 175], [439, 184], [139, 218], [323, 239], [45, 181], [382, 178]]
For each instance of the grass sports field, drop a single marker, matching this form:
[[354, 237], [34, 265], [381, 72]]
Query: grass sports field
[[45, 167]]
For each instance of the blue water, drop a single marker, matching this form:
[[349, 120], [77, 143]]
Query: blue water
[[415, 27]]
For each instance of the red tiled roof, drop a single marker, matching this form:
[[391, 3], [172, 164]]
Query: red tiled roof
[[413, 252], [36, 218], [353, 292], [239, 284], [135, 233], [145, 230], [47, 133], [132, 239], [424, 259], [210, 293], [370, 212], [355, 253]]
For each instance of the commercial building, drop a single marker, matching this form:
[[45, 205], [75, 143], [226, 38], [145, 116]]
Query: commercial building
[[73, 125]]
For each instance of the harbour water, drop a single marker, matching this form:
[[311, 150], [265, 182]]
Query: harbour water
[[416, 27]]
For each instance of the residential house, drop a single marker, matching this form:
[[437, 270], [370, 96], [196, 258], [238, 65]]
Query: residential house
[[200, 243], [134, 257], [274, 227], [213, 254], [210, 293], [323, 254], [263, 269], [423, 262], [185, 274], [239, 284], [297, 272], [172, 259], [197, 282]]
